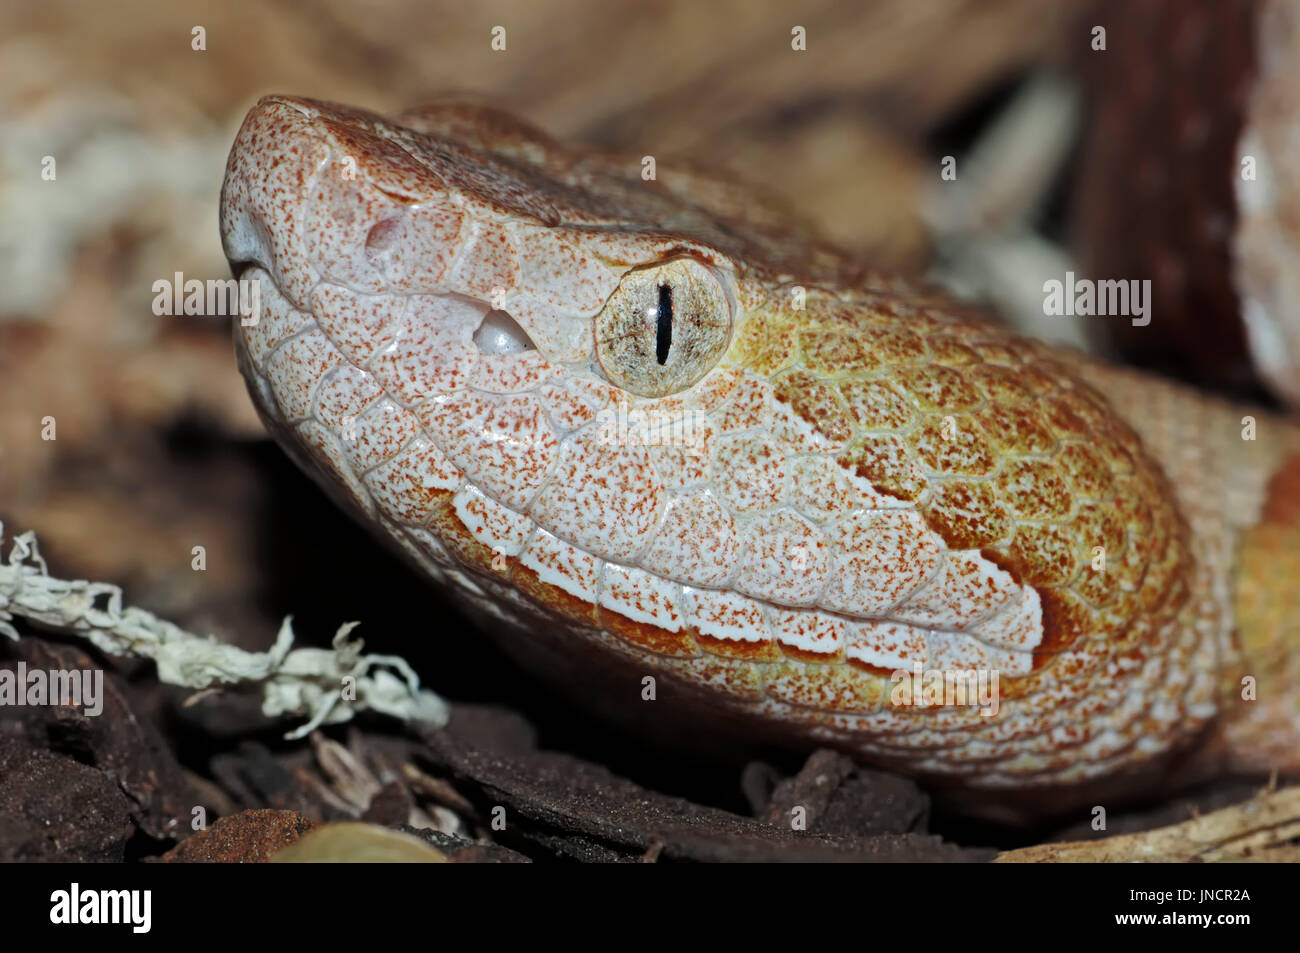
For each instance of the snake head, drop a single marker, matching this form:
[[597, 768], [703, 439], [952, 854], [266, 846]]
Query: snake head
[[648, 424]]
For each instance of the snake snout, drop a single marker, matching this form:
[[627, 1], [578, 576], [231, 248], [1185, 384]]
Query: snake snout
[[313, 192]]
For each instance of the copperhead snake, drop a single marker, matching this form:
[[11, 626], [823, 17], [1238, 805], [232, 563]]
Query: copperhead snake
[[655, 427]]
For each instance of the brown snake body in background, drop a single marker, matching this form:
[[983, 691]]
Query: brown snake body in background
[[652, 428]]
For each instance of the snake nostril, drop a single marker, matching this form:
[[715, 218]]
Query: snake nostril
[[501, 334]]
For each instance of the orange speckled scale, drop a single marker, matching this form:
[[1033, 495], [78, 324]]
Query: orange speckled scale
[[858, 479]]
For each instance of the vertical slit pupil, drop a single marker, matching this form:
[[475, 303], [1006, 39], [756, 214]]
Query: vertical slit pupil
[[664, 331]]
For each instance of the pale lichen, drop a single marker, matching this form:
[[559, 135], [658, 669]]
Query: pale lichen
[[327, 686]]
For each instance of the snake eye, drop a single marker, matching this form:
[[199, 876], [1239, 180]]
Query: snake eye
[[664, 327]]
